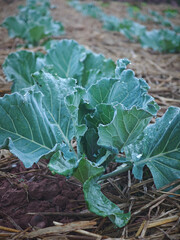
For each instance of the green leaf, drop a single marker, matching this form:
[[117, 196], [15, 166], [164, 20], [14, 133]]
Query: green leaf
[[132, 30], [97, 64], [63, 162], [15, 27], [101, 205], [54, 90], [33, 23], [19, 66], [163, 40], [159, 149], [73, 103], [36, 33], [24, 121], [51, 27], [111, 23], [25, 129], [121, 66], [65, 57], [86, 169], [124, 128], [88, 173], [103, 114], [89, 144], [128, 90], [99, 92]]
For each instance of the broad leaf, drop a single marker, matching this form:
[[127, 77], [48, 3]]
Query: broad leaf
[[31, 113], [86, 169], [163, 40], [159, 149], [111, 23], [19, 66], [103, 114], [73, 103], [99, 92], [97, 64], [128, 90], [36, 33], [63, 162], [55, 89], [65, 57], [25, 129], [89, 144], [15, 26], [131, 29], [124, 128], [101, 205]]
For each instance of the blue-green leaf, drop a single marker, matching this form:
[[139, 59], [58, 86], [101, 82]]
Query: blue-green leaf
[[36, 122], [63, 161], [15, 26], [96, 67], [123, 129], [25, 129], [159, 149], [86, 169], [65, 57], [101, 205], [128, 90], [19, 66]]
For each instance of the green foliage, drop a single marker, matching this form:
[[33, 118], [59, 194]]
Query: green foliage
[[159, 148], [153, 16], [33, 23], [71, 93], [158, 18], [163, 40], [135, 13], [171, 13], [87, 9]]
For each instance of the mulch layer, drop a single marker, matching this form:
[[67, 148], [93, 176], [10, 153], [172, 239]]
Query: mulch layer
[[34, 204]]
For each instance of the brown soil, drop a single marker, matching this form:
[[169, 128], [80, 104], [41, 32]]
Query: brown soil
[[36, 190], [34, 197]]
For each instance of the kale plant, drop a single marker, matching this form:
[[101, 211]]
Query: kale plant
[[33, 23], [162, 40], [71, 93]]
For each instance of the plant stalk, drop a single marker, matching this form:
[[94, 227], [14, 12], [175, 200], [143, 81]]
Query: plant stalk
[[123, 168]]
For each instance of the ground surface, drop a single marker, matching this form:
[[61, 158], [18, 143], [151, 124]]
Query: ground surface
[[26, 195]]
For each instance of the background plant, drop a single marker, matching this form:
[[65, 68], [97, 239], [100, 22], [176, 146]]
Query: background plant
[[33, 23], [162, 40]]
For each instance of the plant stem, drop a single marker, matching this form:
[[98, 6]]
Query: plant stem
[[123, 168]]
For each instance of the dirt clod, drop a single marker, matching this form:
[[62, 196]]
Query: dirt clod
[[21, 196]]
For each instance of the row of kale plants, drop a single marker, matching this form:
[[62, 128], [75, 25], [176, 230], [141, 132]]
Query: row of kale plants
[[33, 23], [162, 40], [72, 94]]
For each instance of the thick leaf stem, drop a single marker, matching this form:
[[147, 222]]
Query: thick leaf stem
[[123, 168]]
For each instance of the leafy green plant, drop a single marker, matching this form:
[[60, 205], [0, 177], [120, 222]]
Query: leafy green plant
[[162, 40], [158, 18], [87, 9], [33, 23], [135, 13], [170, 13], [71, 93]]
